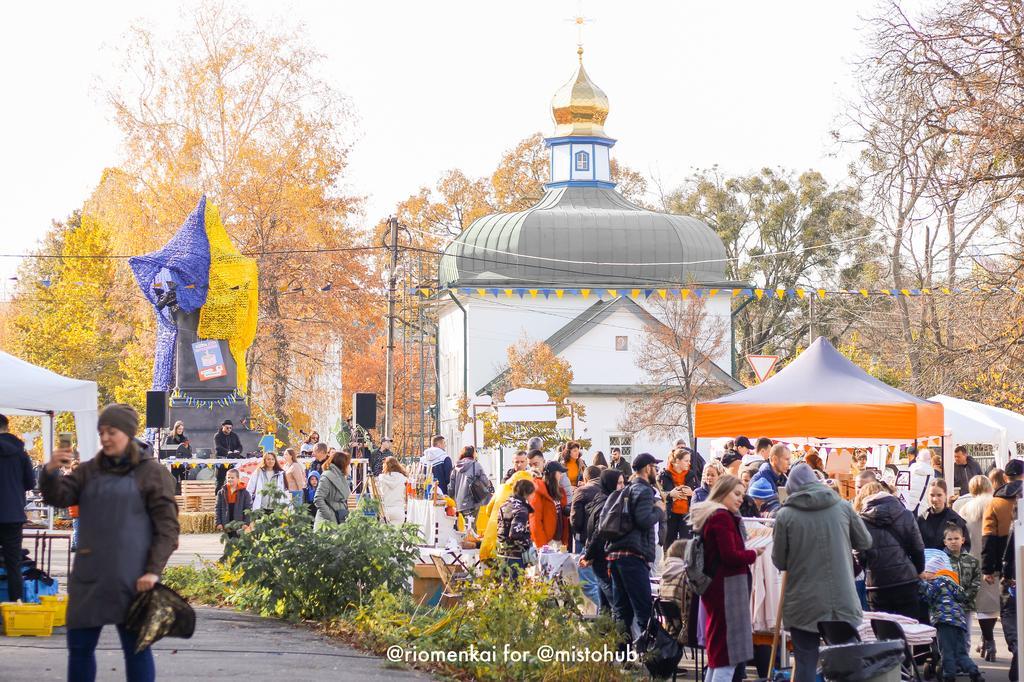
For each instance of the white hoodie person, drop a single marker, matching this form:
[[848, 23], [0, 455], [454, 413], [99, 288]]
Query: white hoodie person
[[438, 464], [921, 475]]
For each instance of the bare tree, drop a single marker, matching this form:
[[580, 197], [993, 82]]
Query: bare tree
[[677, 354], [922, 180]]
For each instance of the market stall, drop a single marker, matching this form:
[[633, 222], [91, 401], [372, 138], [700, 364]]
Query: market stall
[[822, 398], [28, 390], [821, 394], [1003, 428]]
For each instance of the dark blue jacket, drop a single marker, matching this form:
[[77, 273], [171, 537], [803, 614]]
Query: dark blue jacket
[[766, 472], [442, 473], [15, 479], [642, 539]]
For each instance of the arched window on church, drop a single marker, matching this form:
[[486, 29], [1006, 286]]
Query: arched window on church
[[582, 161]]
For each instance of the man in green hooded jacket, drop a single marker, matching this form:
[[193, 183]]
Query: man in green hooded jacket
[[815, 533]]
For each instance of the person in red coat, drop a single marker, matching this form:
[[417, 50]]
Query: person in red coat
[[729, 634], [549, 520]]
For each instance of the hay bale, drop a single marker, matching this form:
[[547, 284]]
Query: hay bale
[[197, 522]]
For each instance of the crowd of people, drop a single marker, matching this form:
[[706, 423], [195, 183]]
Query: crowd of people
[[938, 557], [941, 555]]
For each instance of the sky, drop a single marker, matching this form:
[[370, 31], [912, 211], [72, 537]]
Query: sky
[[442, 85]]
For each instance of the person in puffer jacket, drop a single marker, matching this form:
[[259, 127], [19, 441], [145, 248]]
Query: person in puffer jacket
[[941, 591], [896, 557], [998, 519], [464, 475], [514, 540]]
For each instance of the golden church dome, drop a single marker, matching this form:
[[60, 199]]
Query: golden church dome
[[580, 107]]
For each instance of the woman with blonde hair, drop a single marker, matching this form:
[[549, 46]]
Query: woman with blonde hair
[[176, 439], [712, 472], [678, 482], [867, 490], [727, 599], [986, 603], [392, 484]]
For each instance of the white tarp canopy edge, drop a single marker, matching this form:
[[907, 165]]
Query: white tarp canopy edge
[[1011, 424], [28, 390]]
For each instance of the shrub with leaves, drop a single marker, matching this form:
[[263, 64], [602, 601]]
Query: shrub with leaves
[[284, 568], [494, 612], [205, 585]]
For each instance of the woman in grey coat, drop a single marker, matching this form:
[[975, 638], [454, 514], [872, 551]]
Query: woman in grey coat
[[331, 498], [128, 530]]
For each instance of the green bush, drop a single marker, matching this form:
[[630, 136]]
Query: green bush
[[495, 612], [286, 569], [205, 585]]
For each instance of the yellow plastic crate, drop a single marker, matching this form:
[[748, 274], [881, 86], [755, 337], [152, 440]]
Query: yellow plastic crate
[[31, 620], [58, 603]]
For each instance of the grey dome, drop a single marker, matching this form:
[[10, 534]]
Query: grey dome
[[571, 235]]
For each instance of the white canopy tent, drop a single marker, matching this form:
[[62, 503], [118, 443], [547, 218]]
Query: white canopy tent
[[1009, 424], [36, 392]]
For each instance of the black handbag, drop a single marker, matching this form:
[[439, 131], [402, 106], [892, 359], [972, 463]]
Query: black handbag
[[158, 613]]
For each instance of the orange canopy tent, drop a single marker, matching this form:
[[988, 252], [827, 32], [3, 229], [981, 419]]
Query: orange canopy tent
[[821, 394]]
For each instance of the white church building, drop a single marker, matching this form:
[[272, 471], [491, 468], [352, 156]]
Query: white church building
[[576, 271]]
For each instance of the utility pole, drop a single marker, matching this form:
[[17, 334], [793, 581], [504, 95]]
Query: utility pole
[[810, 320], [389, 390]]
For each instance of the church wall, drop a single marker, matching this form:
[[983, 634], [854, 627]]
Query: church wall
[[497, 323], [604, 414], [719, 308], [594, 358]]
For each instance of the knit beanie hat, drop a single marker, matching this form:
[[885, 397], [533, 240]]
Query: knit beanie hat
[[761, 489], [121, 417], [936, 560], [800, 475]]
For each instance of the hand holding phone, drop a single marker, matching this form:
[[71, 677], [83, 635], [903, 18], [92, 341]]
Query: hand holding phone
[[60, 458]]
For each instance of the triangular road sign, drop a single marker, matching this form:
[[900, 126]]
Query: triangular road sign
[[762, 365]]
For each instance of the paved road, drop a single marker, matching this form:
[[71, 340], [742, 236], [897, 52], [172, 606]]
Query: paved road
[[227, 644], [235, 636]]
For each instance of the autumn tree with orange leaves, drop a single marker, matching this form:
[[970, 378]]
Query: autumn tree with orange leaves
[[532, 364], [237, 111]]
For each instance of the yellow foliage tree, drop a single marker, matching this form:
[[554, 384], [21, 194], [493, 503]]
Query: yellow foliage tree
[[239, 111], [533, 364], [73, 314]]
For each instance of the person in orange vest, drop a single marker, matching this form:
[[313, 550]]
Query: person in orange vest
[[678, 481]]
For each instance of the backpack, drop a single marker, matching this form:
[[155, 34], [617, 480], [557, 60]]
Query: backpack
[[616, 519], [698, 574], [659, 651]]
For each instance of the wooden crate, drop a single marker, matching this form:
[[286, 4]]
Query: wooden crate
[[198, 487], [198, 496]]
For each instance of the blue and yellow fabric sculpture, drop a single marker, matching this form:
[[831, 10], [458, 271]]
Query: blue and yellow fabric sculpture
[[209, 275]]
